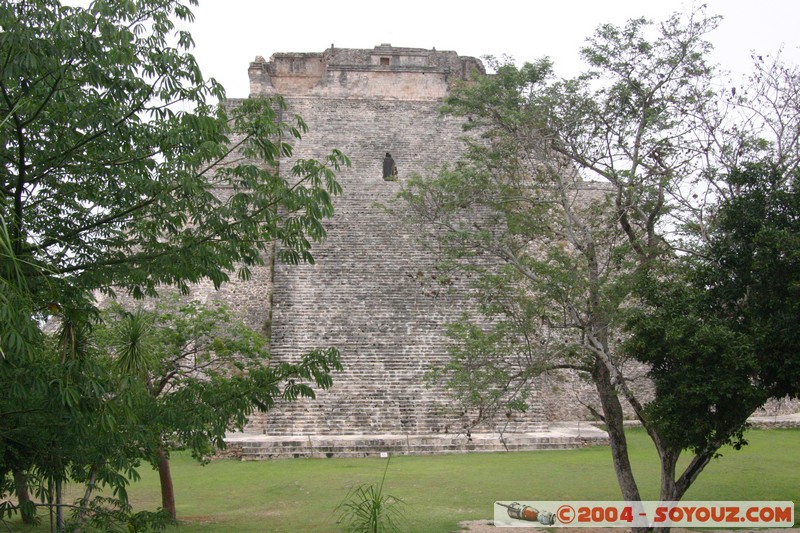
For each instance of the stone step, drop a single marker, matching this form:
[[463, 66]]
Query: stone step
[[253, 448], [303, 425]]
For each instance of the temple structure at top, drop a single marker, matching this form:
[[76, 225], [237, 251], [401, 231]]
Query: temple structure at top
[[385, 71]]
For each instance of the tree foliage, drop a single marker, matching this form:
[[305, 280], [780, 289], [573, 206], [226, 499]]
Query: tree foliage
[[121, 173], [582, 202], [109, 181], [201, 372], [731, 310], [191, 373]]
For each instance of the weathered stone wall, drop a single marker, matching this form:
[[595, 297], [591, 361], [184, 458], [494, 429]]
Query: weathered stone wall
[[372, 291], [783, 406], [386, 72], [568, 395]]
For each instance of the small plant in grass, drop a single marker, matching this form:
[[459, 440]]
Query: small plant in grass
[[366, 509]]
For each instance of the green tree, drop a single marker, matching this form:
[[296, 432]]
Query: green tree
[[108, 181], [197, 372], [578, 189], [119, 172], [730, 310], [751, 268], [70, 425]]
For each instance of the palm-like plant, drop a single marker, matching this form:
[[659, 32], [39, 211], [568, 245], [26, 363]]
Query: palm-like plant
[[366, 509]]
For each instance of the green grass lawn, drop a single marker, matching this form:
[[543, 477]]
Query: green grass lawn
[[299, 495]]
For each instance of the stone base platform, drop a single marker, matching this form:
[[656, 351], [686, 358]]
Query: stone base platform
[[254, 447]]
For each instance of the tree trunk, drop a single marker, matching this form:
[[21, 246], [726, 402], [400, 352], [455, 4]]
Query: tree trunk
[[612, 411], [85, 500], [60, 524], [23, 496], [50, 503], [669, 488], [604, 381], [167, 490]]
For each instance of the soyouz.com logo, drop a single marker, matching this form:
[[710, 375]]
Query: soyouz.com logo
[[727, 514]]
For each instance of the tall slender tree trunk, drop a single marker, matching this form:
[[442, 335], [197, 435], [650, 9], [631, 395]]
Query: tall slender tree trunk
[[23, 496], [604, 382], [50, 502], [60, 523], [167, 490], [85, 500], [614, 419]]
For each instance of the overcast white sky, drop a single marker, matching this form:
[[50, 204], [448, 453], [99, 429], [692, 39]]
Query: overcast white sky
[[229, 34]]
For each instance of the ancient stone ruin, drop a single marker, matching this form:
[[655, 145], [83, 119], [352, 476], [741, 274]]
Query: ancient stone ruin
[[373, 292]]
